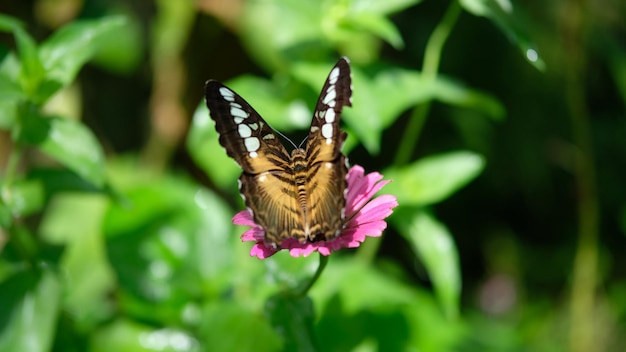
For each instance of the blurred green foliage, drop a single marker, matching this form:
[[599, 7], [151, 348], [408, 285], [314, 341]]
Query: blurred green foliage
[[505, 148]]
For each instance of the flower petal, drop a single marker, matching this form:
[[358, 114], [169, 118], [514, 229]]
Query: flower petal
[[377, 209], [261, 251], [361, 188], [244, 217]]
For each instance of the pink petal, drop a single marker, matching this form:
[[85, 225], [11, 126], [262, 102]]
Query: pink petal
[[361, 189], [244, 217], [260, 251], [377, 209]]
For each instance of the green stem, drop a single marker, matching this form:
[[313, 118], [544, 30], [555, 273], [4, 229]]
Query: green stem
[[583, 329], [430, 68], [303, 290]]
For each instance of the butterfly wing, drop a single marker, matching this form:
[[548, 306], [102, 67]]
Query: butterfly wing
[[327, 167], [246, 137], [267, 181]]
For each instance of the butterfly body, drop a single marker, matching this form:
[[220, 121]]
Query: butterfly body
[[298, 195]]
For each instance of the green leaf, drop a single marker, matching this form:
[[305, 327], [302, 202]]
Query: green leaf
[[380, 26], [32, 70], [10, 91], [67, 141], [362, 305], [296, 31], [293, 317], [9, 23], [74, 220], [24, 198], [29, 310], [127, 335], [225, 323], [171, 225], [8, 114], [69, 48], [433, 178], [502, 14], [381, 7], [435, 246]]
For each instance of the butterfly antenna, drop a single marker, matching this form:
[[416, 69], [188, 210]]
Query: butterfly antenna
[[304, 140], [287, 138]]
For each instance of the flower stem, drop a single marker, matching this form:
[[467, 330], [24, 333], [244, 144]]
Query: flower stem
[[430, 68], [303, 290], [583, 334]]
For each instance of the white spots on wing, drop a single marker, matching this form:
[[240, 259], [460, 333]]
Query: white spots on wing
[[254, 126], [333, 76], [263, 177], [330, 115], [328, 165], [314, 129], [238, 120], [269, 136], [237, 112], [252, 145], [327, 132], [227, 94], [244, 131], [329, 98]]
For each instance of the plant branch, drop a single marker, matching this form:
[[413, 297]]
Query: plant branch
[[430, 68]]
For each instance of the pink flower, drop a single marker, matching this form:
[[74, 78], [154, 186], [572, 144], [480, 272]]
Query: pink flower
[[364, 217]]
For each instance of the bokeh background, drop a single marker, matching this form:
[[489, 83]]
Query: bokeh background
[[502, 124]]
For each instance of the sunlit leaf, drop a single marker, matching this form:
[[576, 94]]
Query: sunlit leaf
[[433, 178], [382, 7], [296, 25], [127, 335], [69, 142], [74, 220], [24, 198], [32, 69], [29, 310], [379, 26], [167, 239], [502, 13], [435, 246], [69, 48]]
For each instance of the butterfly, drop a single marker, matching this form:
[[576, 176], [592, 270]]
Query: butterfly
[[292, 195]]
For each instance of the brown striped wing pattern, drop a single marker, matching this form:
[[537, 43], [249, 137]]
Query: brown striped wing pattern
[[298, 195]]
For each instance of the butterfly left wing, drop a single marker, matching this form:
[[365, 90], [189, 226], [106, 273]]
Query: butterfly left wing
[[246, 137], [266, 183], [327, 167]]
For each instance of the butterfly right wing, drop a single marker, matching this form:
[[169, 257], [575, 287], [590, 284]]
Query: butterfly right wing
[[267, 181]]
